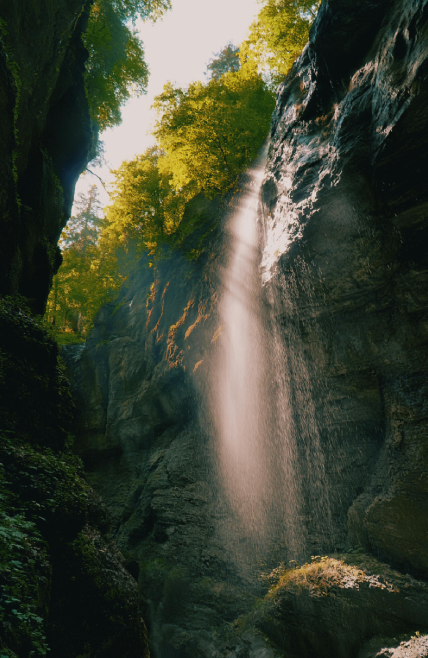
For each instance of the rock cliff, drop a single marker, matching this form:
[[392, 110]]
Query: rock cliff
[[139, 385], [63, 584], [46, 138], [344, 268], [345, 202]]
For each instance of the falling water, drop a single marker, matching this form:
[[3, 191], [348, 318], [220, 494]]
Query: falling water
[[238, 376], [269, 450]]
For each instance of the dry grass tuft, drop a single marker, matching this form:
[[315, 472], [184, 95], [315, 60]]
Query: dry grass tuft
[[325, 573], [317, 577]]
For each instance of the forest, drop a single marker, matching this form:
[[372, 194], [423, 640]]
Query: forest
[[206, 135]]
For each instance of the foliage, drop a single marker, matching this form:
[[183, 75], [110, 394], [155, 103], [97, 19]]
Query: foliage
[[324, 573], [48, 483], [146, 9], [88, 276], [207, 134], [24, 577], [145, 207], [223, 62], [278, 36], [22, 550], [210, 133], [116, 65]]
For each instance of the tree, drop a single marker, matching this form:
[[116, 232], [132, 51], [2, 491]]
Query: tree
[[223, 62], [278, 36], [145, 208], [83, 229], [207, 134], [88, 276], [210, 133], [116, 65]]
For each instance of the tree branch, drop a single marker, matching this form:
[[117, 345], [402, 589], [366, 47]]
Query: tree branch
[[100, 179]]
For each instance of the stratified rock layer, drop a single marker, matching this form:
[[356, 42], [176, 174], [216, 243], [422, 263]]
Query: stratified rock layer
[[346, 213]]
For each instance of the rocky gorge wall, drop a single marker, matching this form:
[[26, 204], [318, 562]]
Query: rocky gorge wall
[[63, 584], [46, 138], [346, 230], [344, 267]]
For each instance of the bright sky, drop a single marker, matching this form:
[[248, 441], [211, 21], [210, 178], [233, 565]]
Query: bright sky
[[178, 49]]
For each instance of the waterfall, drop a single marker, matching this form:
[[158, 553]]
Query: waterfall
[[268, 447], [238, 377]]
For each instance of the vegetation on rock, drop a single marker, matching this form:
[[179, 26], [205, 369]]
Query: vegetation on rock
[[55, 556]]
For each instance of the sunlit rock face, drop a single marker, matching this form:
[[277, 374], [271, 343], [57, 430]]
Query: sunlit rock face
[[46, 137], [345, 204]]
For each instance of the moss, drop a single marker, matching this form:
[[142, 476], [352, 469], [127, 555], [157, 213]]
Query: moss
[[48, 485]]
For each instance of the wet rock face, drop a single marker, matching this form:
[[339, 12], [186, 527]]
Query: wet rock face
[[345, 201], [46, 138], [146, 445]]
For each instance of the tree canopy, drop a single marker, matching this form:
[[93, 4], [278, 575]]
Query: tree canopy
[[210, 133], [116, 66], [207, 134], [145, 209], [278, 36]]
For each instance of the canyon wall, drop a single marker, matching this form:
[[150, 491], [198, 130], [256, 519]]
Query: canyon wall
[[345, 204], [344, 219], [63, 585], [46, 138]]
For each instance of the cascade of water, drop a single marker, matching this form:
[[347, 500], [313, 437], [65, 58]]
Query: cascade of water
[[238, 376], [269, 451], [300, 455]]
